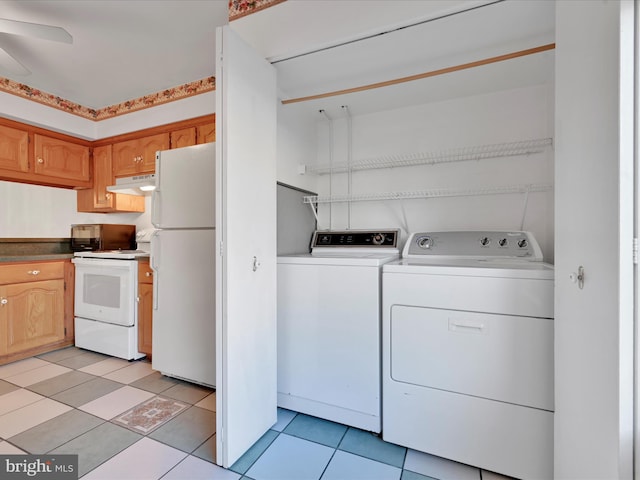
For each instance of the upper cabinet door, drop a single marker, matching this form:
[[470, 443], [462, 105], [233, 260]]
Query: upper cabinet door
[[58, 158], [206, 133], [103, 177], [138, 156], [149, 146], [126, 158], [14, 149], [183, 138], [246, 246]]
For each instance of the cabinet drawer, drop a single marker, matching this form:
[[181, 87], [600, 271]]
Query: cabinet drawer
[[30, 272], [145, 273]]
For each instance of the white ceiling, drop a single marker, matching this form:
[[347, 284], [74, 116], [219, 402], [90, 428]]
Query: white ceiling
[[341, 45], [124, 50]]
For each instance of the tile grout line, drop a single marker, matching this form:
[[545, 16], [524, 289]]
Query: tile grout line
[[335, 450]]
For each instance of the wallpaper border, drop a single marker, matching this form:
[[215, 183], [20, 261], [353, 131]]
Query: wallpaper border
[[242, 8], [168, 95]]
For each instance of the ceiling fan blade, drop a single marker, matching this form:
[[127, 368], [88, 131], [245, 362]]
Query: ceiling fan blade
[[10, 64], [46, 32]]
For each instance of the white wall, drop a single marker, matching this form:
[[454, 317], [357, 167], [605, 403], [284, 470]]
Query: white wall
[[500, 117], [191, 107], [297, 145], [34, 211], [34, 113]]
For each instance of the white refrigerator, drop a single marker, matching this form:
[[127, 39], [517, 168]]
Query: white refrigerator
[[183, 261]]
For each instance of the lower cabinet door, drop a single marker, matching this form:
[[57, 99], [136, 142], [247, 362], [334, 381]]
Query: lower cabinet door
[[31, 315], [145, 320]]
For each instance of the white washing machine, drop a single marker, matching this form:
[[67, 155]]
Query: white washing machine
[[468, 351], [329, 317]]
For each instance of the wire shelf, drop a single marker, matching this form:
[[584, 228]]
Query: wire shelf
[[463, 154], [434, 193]]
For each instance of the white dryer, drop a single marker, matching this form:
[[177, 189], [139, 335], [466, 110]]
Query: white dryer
[[468, 351], [329, 305]]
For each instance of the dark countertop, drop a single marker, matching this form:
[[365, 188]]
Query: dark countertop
[[35, 258], [34, 249]]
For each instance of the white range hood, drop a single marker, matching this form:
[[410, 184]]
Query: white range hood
[[136, 185]]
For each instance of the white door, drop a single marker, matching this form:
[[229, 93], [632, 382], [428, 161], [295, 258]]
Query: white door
[[246, 226], [594, 229]]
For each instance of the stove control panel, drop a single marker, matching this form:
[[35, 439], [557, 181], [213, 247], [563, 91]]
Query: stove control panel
[[355, 238], [473, 244]]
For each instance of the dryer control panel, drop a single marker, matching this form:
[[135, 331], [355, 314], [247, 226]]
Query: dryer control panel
[[473, 244], [355, 238]]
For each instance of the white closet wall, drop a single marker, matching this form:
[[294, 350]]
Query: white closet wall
[[495, 118]]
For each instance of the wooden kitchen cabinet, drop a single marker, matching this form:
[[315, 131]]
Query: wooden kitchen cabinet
[[145, 307], [61, 159], [98, 199], [183, 138], [138, 156], [14, 149], [34, 308], [34, 155], [133, 154], [206, 133], [196, 135]]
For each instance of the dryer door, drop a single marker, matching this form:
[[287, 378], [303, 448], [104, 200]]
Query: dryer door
[[498, 357]]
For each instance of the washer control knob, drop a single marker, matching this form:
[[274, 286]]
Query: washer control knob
[[425, 242], [502, 242], [378, 239], [484, 241], [522, 243]]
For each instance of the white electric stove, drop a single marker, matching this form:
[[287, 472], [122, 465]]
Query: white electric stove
[[106, 313]]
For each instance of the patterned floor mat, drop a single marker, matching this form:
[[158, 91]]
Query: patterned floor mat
[[149, 415]]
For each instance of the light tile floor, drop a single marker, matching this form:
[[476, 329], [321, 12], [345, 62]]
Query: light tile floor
[[66, 402]]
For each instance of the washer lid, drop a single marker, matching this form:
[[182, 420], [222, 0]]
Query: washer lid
[[504, 268], [352, 258]]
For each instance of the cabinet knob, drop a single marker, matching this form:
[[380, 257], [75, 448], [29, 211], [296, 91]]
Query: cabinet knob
[[33, 272], [40, 160], [3, 301], [148, 274], [108, 196]]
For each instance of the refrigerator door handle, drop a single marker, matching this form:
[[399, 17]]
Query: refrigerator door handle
[[155, 255], [155, 208]]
